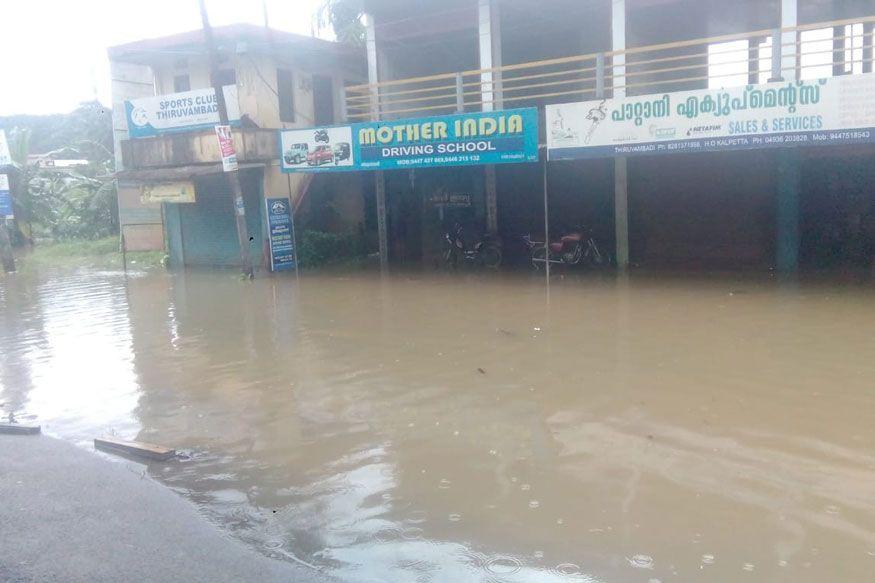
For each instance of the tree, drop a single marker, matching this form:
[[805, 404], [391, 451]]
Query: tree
[[345, 18]]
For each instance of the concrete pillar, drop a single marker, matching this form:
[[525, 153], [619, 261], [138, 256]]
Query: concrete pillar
[[379, 178], [621, 182], [788, 227], [788, 214], [489, 40], [789, 53]]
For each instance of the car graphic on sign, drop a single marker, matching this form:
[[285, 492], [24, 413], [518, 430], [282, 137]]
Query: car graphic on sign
[[297, 154], [320, 155], [341, 152]]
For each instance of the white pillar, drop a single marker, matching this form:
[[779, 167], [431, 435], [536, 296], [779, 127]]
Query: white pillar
[[621, 182], [489, 41], [489, 30], [373, 73], [789, 55]]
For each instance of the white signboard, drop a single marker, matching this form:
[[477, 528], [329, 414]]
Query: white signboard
[[150, 116], [6, 211], [329, 147], [5, 158], [839, 110], [226, 146]]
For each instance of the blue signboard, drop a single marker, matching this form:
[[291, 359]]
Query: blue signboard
[[494, 137], [5, 198], [280, 234]]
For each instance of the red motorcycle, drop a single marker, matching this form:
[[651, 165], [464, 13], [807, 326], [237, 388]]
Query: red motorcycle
[[572, 248]]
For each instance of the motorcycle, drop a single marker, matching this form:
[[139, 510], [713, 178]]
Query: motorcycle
[[486, 251], [571, 249]]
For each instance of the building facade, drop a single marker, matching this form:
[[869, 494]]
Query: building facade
[[173, 194], [769, 207]]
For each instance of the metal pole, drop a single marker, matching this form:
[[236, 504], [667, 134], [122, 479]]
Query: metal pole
[[546, 224], [233, 176], [124, 250]]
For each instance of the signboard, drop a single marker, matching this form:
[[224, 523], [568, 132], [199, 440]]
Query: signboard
[[498, 137], [179, 112], [5, 198], [280, 234], [450, 200], [5, 158], [226, 147], [838, 110], [171, 192]]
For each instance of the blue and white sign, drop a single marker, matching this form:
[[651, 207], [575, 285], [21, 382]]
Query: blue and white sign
[[5, 158], [5, 198], [178, 112], [280, 234], [494, 137], [818, 112]]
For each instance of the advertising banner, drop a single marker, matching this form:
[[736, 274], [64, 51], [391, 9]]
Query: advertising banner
[[177, 112], [226, 147], [172, 192], [5, 198], [5, 158], [838, 110], [497, 137], [281, 234]]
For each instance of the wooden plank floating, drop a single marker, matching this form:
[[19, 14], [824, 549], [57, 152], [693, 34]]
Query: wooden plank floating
[[134, 448], [19, 429]]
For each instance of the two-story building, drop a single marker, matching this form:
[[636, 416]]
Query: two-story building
[[173, 194], [762, 183]]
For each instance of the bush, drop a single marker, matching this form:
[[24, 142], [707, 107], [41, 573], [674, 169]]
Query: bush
[[318, 248]]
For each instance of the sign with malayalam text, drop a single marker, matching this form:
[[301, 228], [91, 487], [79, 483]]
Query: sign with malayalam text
[[5, 198], [280, 234], [496, 137], [178, 112], [226, 148], [838, 110]]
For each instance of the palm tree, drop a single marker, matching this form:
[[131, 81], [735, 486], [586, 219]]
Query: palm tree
[[345, 17]]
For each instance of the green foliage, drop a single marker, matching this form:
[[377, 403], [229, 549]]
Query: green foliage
[[318, 248], [103, 253], [69, 203], [345, 17]]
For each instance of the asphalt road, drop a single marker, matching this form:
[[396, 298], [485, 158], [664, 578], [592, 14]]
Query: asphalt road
[[67, 514]]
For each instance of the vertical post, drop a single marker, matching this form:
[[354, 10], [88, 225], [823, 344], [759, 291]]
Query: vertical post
[[788, 159], [546, 225], [621, 182], [788, 228], [379, 177], [489, 29], [777, 74], [233, 176], [839, 56], [789, 49], [460, 94], [380, 181], [124, 247]]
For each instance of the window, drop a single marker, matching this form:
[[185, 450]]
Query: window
[[817, 51], [226, 77], [181, 83], [285, 89]]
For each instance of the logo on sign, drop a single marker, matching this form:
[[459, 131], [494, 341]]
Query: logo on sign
[[278, 207]]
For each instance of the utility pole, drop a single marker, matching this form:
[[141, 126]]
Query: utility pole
[[233, 176]]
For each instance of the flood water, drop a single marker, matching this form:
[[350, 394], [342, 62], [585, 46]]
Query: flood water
[[452, 427]]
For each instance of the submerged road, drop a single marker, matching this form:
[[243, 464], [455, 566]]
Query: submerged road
[[69, 515]]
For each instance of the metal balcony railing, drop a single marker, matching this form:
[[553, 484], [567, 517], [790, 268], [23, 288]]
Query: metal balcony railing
[[811, 51]]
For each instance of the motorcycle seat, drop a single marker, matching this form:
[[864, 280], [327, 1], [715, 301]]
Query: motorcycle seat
[[573, 238], [555, 246]]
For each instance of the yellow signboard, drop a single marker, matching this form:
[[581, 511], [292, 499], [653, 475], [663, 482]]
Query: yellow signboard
[[175, 192]]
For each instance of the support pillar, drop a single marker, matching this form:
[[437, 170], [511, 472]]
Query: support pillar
[[380, 182], [621, 211], [789, 51], [621, 171], [379, 177], [489, 41], [788, 213]]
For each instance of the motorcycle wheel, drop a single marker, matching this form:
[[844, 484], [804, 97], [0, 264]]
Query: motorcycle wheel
[[596, 257], [449, 257], [490, 257]]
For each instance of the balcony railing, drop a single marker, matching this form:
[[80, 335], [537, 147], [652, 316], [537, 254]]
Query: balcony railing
[[811, 51]]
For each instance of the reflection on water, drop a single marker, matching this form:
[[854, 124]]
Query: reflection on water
[[467, 428]]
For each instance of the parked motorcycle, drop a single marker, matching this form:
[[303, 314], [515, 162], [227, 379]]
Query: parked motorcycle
[[486, 251], [571, 249]]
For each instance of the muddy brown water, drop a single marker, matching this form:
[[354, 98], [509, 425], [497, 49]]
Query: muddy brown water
[[429, 427]]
